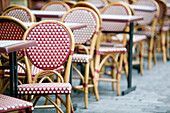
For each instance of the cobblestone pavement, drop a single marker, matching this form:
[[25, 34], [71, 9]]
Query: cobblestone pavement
[[152, 94]]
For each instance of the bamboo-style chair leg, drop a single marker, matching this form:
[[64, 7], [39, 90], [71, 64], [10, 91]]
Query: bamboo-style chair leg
[[125, 64], [96, 92], [141, 57], [167, 44], [113, 73], [85, 84], [154, 55], [163, 46], [58, 102], [119, 74], [151, 41], [68, 103]]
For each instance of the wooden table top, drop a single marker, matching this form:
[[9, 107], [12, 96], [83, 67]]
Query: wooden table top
[[41, 13], [7, 46], [120, 18]]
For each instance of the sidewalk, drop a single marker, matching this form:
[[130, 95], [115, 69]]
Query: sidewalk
[[152, 94]]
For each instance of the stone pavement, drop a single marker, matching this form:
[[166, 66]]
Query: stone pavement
[[152, 94]]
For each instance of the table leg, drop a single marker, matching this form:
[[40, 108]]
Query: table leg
[[129, 79], [13, 74]]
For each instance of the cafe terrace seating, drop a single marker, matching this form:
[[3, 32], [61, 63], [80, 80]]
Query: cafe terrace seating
[[115, 52], [84, 55], [55, 6], [11, 29], [55, 47], [147, 27], [138, 45], [162, 30], [20, 12]]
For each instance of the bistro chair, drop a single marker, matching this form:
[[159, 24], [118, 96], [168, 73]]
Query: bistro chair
[[11, 104], [20, 12], [84, 55], [115, 52], [162, 30], [11, 29], [55, 47], [55, 6], [138, 46], [147, 27]]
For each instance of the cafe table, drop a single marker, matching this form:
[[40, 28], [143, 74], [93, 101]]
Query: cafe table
[[143, 8], [131, 20], [11, 47], [51, 14]]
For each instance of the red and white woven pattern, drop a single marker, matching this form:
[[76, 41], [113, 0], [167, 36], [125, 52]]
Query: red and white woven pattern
[[136, 38], [114, 26], [81, 58], [53, 48], [83, 35], [148, 16], [8, 104], [112, 49], [147, 33], [20, 14], [11, 31], [54, 7], [45, 88]]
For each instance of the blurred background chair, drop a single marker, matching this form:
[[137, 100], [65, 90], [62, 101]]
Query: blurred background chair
[[147, 27], [115, 53], [55, 6], [20, 12], [84, 56], [162, 31]]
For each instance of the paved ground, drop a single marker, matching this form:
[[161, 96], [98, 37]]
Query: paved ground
[[152, 94]]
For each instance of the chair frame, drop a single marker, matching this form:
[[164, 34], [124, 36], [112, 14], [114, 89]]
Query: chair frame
[[90, 64]]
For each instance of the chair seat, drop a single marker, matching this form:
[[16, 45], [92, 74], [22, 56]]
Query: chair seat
[[164, 29], [45, 88], [136, 38], [81, 58], [35, 70], [111, 50], [8, 104], [147, 33], [109, 44]]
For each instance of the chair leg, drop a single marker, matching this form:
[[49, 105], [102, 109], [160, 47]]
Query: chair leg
[[125, 64], [151, 41], [113, 73], [68, 103], [167, 44], [119, 74], [96, 92], [163, 46], [85, 84], [141, 57], [58, 102]]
